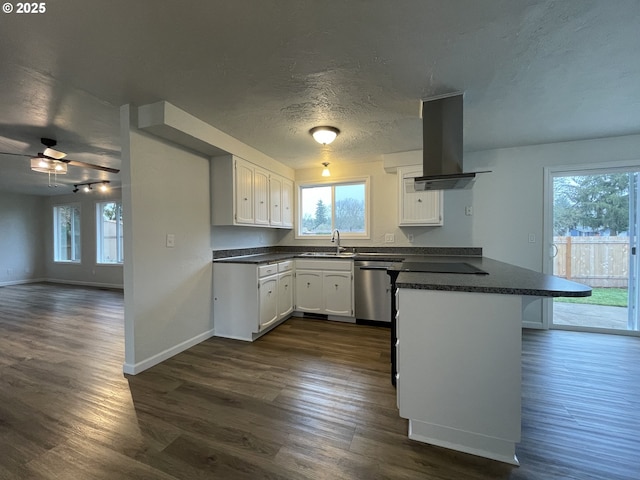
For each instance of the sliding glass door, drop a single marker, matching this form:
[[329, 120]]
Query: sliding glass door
[[595, 242]]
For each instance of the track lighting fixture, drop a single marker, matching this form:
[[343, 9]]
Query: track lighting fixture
[[87, 186]]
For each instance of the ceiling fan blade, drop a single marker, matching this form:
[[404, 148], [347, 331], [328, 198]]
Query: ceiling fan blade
[[55, 154], [91, 165], [16, 154]]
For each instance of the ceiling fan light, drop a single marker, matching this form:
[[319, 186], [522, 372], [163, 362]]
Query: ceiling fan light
[[324, 135], [44, 165]]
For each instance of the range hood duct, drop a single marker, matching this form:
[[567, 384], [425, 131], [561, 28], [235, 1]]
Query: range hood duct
[[442, 145]]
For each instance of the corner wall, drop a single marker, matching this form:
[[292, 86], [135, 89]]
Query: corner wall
[[456, 231], [21, 238], [509, 202], [167, 290]]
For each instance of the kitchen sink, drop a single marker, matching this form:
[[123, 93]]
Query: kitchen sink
[[328, 254]]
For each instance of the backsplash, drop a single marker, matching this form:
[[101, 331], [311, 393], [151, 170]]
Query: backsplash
[[449, 251]]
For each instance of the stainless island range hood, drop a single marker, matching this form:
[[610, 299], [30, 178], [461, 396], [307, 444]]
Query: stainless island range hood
[[442, 145]]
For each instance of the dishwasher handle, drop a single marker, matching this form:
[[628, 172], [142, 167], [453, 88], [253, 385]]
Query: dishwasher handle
[[372, 268]]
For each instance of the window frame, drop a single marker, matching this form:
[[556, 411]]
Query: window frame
[[99, 206], [76, 247], [365, 180]]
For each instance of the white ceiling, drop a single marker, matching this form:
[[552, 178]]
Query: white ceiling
[[266, 71]]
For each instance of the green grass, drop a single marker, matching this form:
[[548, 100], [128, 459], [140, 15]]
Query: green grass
[[614, 297]]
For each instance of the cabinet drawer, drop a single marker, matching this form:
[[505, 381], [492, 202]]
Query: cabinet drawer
[[285, 266], [339, 265], [265, 270]]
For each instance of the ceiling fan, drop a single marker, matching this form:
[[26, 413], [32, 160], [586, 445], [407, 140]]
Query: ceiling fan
[[54, 161]]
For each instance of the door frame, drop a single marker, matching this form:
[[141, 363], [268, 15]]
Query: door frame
[[547, 227]]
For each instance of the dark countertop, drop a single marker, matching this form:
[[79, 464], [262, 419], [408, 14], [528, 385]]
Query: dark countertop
[[258, 258], [263, 258], [502, 278]]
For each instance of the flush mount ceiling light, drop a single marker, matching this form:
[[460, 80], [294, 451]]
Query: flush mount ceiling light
[[324, 135], [325, 170], [104, 186]]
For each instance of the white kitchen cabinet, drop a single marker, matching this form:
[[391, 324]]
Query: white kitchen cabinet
[[275, 200], [337, 293], [287, 203], [308, 290], [417, 208], [285, 294], [242, 194], [248, 300], [243, 183], [261, 196], [325, 287]]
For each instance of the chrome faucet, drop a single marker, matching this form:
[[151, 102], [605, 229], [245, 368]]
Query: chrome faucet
[[336, 235]]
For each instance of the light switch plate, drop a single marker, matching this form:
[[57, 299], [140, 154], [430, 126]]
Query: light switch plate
[[171, 240]]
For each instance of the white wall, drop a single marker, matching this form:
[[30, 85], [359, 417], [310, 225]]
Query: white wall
[[508, 203], [21, 238], [167, 290], [88, 271], [456, 231]]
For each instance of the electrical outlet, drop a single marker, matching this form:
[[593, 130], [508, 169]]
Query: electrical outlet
[[468, 210], [389, 238], [410, 237]]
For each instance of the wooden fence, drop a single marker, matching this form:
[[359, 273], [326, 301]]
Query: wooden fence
[[594, 261]]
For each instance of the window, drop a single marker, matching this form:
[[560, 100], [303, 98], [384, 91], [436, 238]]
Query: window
[[109, 232], [66, 233], [328, 206]]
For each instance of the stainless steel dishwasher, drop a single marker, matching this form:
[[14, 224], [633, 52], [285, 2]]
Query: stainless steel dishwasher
[[372, 288]]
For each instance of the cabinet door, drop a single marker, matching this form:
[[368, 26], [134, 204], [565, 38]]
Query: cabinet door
[[261, 196], [285, 294], [244, 192], [287, 203], [417, 208], [275, 199], [337, 293], [308, 291], [268, 294]]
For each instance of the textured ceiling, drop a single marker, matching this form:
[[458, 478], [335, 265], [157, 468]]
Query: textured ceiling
[[266, 71]]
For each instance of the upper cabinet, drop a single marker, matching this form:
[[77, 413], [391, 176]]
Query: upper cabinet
[[287, 203], [275, 200], [244, 194], [417, 208], [261, 196]]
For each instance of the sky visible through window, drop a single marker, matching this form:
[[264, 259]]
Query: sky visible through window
[[310, 196]]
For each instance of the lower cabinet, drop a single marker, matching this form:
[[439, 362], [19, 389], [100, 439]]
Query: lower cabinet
[[285, 294], [249, 299], [325, 286]]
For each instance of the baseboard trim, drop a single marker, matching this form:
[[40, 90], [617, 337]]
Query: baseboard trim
[[85, 284], [22, 282], [134, 369]]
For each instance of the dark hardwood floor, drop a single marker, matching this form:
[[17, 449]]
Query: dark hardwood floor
[[310, 400]]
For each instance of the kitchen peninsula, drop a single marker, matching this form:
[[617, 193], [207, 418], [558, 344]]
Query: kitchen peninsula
[[458, 353], [458, 349]]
